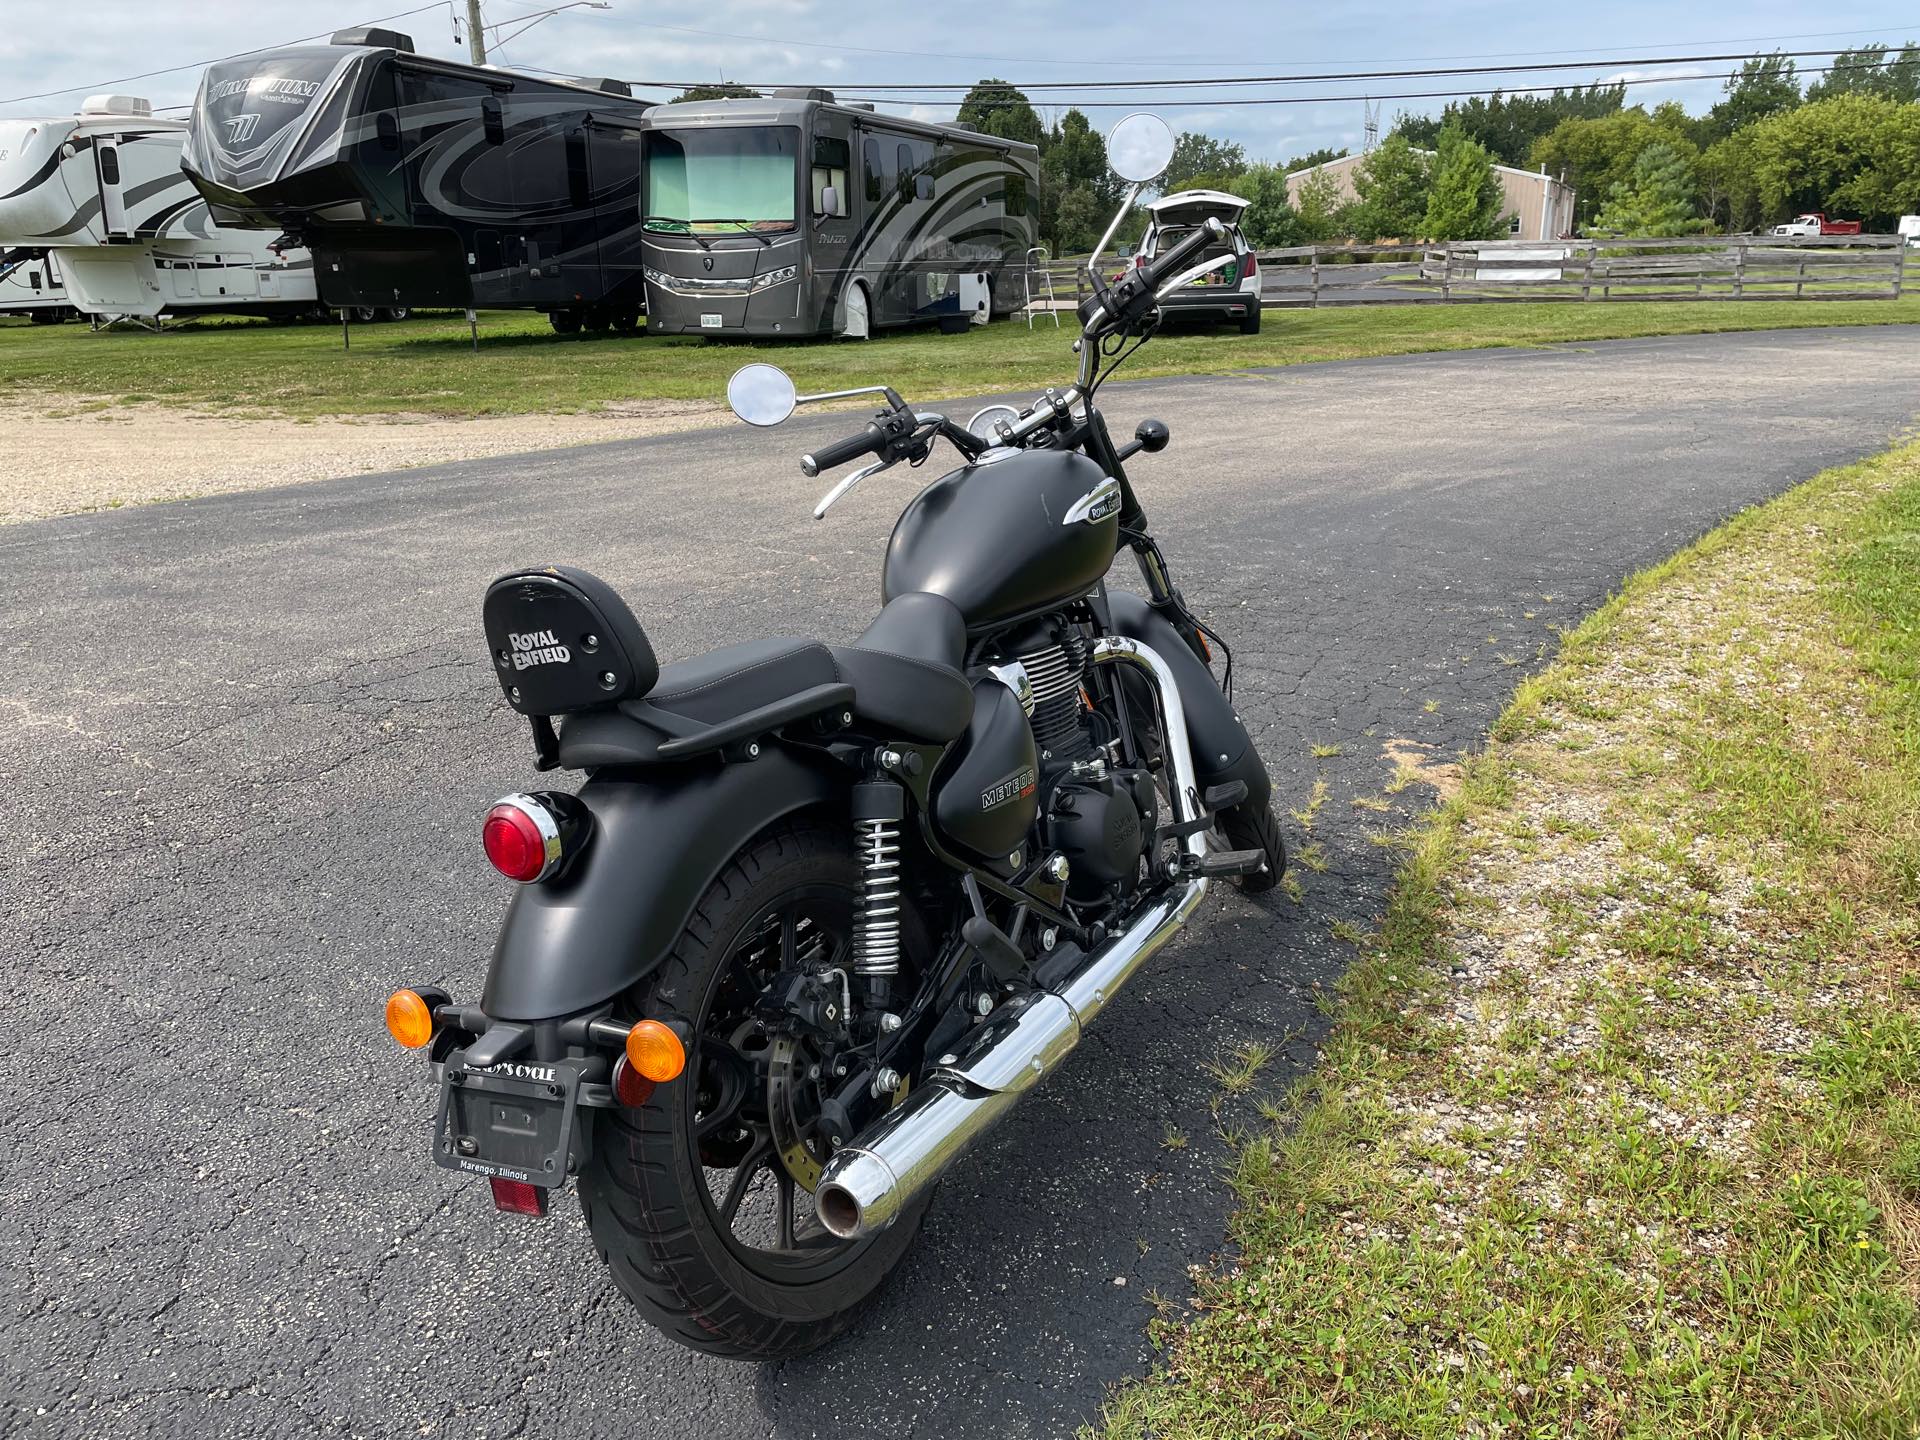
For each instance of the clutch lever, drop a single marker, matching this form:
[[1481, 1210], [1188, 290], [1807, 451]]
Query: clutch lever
[[827, 500], [1219, 262]]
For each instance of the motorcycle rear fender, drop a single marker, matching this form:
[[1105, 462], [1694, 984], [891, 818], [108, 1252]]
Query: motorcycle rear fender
[[659, 839], [1222, 749]]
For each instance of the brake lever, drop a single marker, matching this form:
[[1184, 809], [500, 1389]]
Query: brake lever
[[827, 500]]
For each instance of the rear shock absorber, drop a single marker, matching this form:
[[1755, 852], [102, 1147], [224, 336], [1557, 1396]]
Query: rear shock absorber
[[878, 808]]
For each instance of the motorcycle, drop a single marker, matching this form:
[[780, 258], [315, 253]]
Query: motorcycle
[[821, 914]]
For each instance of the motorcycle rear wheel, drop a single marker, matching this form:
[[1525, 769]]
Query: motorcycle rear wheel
[[649, 1189]]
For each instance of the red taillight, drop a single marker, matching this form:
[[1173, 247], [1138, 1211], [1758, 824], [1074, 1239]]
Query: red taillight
[[516, 1197], [630, 1087], [522, 839], [1252, 267], [1139, 262]]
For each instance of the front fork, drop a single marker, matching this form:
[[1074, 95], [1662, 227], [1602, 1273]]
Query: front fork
[[1162, 594]]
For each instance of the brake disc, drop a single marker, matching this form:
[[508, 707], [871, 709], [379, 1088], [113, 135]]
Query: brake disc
[[788, 1090]]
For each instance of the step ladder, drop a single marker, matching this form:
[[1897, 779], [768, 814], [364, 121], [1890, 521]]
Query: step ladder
[[1039, 283]]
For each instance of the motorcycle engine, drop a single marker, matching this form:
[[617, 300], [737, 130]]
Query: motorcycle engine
[[1100, 817]]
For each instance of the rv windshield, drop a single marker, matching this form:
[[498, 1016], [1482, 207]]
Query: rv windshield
[[721, 180]]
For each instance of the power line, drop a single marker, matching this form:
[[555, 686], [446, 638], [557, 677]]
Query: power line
[[1156, 64], [202, 64], [1214, 82], [1242, 100]]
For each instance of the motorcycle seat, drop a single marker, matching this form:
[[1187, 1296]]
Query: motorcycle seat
[[903, 670]]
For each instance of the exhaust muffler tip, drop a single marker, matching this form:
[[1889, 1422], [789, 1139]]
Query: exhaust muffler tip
[[858, 1195]]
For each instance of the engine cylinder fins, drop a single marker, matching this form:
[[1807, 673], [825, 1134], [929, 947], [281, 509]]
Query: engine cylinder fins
[[1057, 673]]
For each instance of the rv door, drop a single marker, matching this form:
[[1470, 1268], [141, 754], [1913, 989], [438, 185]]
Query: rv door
[[113, 202]]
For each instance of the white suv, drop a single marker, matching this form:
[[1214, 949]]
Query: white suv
[[1231, 293]]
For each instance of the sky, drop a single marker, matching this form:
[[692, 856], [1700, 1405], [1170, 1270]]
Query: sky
[[847, 44]]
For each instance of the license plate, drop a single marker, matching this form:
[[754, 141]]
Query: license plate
[[711, 322], [514, 1121]]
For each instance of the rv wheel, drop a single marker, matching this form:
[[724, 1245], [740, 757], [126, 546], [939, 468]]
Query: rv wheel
[[396, 312], [366, 314], [626, 320], [564, 322]]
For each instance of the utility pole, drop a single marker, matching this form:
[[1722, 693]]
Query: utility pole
[[476, 34]]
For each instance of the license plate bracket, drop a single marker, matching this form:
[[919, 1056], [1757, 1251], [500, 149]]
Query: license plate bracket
[[512, 1121]]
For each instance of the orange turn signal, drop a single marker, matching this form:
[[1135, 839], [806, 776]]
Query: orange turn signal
[[409, 1019], [655, 1051]]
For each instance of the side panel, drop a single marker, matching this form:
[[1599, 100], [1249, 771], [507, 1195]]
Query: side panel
[[1222, 749], [577, 941]]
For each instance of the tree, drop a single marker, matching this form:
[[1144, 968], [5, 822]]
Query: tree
[[1196, 156], [1078, 221], [1313, 158], [1318, 208], [1852, 156], [996, 107], [1762, 86], [1270, 220], [725, 90], [1465, 201], [1508, 125], [1728, 192], [1391, 184], [1871, 70], [1077, 191], [1655, 200], [1594, 155]]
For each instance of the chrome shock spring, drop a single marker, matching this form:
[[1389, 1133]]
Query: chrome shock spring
[[876, 940]]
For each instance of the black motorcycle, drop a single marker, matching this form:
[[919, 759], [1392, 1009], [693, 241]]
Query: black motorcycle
[[820, 914]]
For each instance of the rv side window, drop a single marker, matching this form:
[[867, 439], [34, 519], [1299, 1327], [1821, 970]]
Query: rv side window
[[491, 121], [830, 161], [1016, 195], [109, 165], [903, 170], [875, 177], [931, 164]]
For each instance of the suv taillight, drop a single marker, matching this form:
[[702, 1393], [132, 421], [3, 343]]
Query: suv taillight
[[1252, 267]]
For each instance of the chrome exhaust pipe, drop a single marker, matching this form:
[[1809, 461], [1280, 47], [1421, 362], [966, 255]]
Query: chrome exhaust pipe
[[891, 1163]]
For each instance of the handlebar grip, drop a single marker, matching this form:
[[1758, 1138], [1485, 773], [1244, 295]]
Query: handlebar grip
[[829, 457], [1165, 267]]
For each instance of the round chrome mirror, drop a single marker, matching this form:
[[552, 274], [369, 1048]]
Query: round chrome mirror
[[986, 422], [1139, 146], [761, 394]]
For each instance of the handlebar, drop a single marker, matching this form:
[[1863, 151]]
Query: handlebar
[[1163, 267], [870, 441]]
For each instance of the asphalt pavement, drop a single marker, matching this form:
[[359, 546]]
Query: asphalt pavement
[[249, 740]]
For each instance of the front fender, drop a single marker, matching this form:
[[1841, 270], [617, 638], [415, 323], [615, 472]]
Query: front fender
[[659, 840], [1222, 749]]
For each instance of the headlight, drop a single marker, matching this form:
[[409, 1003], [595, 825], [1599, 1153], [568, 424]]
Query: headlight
[[655, 276], [775, 277]]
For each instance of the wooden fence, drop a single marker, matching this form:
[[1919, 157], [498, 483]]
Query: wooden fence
[[1709, 267]]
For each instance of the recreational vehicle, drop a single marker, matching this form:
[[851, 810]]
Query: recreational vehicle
[[103, 193], [30, 286], [797, 215], [417, 181]]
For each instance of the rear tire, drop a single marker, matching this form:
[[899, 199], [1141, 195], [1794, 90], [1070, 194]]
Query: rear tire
[[1250, 322], [1246, 828], [645, 1192], [564, 322]]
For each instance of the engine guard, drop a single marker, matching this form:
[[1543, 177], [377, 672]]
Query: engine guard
[[1222, 749]]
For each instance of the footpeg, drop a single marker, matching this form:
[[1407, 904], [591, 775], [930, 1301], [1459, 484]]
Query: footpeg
[[1224, 797], [1232, 862]]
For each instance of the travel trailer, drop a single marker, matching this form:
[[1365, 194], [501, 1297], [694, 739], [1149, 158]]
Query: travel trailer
[[30, 286], [102, 193], [798, 215], [417, 181]]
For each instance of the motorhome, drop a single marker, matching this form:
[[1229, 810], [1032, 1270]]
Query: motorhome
[[795, 214], [417, 181], [103, 193], [30, 285]]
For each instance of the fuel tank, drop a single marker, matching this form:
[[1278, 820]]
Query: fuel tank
[[1006, 537]]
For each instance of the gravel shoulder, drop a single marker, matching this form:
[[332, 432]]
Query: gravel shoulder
[[68, 454]]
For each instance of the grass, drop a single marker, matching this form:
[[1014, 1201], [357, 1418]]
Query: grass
[[426, 365], [1617, 1131]]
